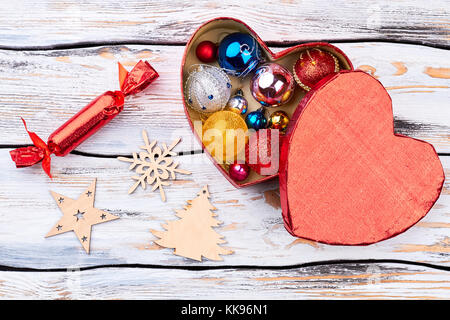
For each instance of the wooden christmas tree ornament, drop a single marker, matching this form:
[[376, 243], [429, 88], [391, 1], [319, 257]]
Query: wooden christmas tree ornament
[[193, 235], [154, 166], [79, 215]]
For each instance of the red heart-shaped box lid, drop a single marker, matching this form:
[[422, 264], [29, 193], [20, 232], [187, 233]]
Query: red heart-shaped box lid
[[345, 177]]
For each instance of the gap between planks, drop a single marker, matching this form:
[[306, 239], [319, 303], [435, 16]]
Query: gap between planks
[[113, 156], [230, 267], [107, 156], [279, 44]]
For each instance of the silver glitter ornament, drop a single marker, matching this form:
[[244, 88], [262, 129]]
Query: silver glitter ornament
[[237, 103], [207, 88]]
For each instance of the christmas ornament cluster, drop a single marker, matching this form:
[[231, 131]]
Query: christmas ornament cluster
[[233, 85]]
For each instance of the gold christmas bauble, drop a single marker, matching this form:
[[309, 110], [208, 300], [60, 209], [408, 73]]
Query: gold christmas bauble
[[224, 135]]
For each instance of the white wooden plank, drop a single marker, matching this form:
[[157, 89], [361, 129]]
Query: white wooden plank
[[346, 281], [252, 220], [30, 22], [48, 87]]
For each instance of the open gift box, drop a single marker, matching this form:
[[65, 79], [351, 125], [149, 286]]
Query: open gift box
[[345, 177]]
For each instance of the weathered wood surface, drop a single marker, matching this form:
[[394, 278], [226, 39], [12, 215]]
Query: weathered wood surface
[[38, 23], [48, 87], [252, 220], [344, 281]]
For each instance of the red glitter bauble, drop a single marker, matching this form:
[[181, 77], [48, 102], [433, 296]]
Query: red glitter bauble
[[258, 152], [313, 65], [206, 51]]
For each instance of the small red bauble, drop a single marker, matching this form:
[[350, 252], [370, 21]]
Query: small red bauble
[[206, 51], [258, 152], [313, 65], [239, 171]]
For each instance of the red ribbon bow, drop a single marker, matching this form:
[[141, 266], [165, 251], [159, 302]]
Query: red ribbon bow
[[28, 156]]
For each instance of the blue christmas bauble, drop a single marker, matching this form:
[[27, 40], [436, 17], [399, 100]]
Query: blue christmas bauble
[[256, 120], [238, 54]]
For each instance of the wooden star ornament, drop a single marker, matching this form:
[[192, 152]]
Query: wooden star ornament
[[79, 215]]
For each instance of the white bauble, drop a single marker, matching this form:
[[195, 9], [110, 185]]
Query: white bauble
[[207, 89]]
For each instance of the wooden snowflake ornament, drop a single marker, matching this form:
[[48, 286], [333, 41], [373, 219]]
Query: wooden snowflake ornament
[[79, 215], [193, 236], [154, 166]]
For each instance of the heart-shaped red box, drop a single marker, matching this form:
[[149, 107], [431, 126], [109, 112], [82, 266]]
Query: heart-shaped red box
[[345, 177]]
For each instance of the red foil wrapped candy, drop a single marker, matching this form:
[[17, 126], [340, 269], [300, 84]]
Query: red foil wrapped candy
[[87, 121]]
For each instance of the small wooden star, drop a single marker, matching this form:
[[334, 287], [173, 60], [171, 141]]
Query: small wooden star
[[79, 216]]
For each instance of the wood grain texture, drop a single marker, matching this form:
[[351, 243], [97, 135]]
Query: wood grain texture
[[37, 23], [252, 226], [344, 281], [48, 87]]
